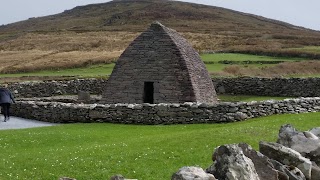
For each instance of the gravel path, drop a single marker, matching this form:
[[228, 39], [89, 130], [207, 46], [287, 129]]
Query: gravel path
[[21, 123]]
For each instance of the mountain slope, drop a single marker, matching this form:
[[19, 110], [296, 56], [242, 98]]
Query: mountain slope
[[100, 32], [137, 14]]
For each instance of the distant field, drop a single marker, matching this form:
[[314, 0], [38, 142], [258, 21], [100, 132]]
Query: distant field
[[309, 49], [91, 71], [219, 64], [216, 57], [100, 150]]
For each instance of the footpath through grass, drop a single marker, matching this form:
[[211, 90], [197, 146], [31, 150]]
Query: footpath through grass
[[98, 151]]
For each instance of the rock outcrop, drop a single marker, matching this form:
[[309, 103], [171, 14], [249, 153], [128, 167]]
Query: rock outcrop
[[307, 143], [286, 156], [294, 157], [231, 163], [262, 163]]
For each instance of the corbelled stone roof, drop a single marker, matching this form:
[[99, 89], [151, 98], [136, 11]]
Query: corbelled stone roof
[[161, 56]]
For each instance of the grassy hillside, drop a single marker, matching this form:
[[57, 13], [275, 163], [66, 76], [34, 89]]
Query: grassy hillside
[[100, 32], [129, 15]]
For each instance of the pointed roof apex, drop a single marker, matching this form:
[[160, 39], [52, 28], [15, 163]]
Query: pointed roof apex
[[156, 25]]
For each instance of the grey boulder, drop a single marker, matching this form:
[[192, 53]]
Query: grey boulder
[[262, 163], [287, 172], [307, 143], [230, 163], [286, 156], [192, 173]]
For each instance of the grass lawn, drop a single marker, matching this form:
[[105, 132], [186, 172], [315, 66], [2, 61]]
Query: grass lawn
[[98, 151], [242, 57], [213, 65], [214, 68], [91, 71]]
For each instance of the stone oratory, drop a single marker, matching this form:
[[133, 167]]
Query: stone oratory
[[159, 66]]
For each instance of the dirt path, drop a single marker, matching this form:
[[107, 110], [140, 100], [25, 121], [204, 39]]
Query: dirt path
[[21, 123]]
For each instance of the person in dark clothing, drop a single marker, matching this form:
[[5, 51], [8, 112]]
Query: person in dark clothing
[[6, 99]]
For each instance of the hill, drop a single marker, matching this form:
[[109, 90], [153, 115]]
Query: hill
[[136, 15], [100, 32]]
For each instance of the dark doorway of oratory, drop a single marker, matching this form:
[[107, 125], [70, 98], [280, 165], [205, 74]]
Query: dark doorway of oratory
[[148, 95]]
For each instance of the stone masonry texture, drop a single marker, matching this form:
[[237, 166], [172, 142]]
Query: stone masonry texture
[[69, 110], [152, 114], [287, 87], [163, 57]]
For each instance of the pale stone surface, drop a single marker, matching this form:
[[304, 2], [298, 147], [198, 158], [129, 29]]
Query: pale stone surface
[[307, 143], [117, 177], [192, 173], [231, 164], [315, 131], [310, 135], [261, 163], [315, 172], [285, 135], [286, 156], [21, 123], [287, 172]]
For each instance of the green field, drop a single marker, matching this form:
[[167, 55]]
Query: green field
[[218, 61], [242, 57], [106, 69], [91, 71], [308, 49], [98, 151]]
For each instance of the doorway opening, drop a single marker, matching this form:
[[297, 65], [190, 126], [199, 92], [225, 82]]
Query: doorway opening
[[148, 92]]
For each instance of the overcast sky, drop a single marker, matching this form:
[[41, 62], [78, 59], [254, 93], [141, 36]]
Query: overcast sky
[[304, 13]]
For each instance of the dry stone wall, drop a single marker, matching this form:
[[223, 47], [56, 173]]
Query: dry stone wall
[[54, 88], [289, 87], [71, 111], [160, 113]]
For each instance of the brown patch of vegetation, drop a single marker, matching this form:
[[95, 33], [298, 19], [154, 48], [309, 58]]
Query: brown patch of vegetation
[[34, 78], [61, 50], [28, 61], [286, 69]]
